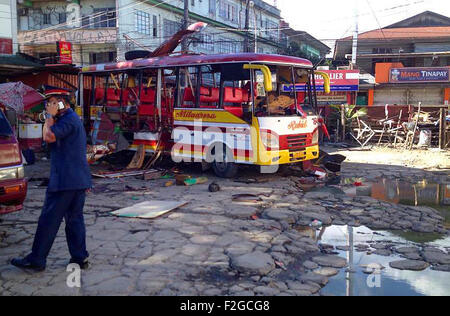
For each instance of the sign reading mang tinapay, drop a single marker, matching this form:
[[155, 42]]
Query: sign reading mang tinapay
[[432, 74]]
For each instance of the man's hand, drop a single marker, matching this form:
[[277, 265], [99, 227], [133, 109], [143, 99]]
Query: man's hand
[[49, 137], [52, 108]]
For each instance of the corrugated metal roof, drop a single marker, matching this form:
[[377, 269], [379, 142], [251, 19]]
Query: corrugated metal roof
[[406, 33]]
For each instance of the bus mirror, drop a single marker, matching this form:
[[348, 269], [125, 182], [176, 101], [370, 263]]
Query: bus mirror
[[267, 75], [326, 81]]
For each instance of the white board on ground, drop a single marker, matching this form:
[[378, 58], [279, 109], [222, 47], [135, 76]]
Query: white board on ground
[[148, 209]]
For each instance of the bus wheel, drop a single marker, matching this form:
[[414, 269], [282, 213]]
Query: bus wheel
[[224, 167]]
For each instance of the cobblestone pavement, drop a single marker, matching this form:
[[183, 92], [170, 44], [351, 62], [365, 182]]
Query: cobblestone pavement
[[211, 246]]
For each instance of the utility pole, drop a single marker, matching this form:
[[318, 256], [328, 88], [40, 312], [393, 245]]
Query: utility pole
[[185, 44], [355, 37], [252, 5], [247, 23]]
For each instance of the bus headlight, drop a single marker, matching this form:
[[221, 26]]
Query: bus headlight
[[315, 138], [270, 140]]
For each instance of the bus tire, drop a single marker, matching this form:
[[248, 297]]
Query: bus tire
[[226, 167]]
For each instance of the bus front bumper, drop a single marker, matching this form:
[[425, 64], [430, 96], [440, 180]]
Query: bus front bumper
[[283, 157]]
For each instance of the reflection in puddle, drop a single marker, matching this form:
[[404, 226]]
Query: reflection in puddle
[[401, 192], [392, 282], [423, 193]]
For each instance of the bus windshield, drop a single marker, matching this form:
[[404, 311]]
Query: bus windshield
[[284, 99]]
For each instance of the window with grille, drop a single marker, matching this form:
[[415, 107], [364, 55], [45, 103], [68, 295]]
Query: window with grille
[[228, 11], [206, 42], [170, 28], [143, 22], [105, 17]]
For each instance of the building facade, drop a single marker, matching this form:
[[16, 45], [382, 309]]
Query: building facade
[[155, 21], [409, 59], [302, 44], [90, 26], [103, 30], [8, 27]]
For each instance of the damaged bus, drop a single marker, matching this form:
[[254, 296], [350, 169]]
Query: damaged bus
[[221, 110]]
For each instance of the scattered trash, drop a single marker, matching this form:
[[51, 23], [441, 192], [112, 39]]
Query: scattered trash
[[280, 265], [246, 198], [425, 138], [97, 152], [120, 174], [316, 223], [194, 181], [148, 209], [138, 159], [332, 163], [169, 184], [152, 175], [252, 180], [180, 178], [214, 187]]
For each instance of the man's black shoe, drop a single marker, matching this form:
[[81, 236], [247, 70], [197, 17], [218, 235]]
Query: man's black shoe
[[83, 264], [25, 264]]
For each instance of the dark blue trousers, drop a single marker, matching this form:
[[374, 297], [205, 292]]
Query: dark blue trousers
[[67, 205]]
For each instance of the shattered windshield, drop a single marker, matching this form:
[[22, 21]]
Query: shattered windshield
[[5, 128], [283, 100]]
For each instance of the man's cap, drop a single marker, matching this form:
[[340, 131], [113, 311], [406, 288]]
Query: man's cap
[[56, 93]]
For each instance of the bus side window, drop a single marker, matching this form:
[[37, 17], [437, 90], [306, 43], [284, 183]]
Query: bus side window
[[209, 88], [187, 87], [146, 91]]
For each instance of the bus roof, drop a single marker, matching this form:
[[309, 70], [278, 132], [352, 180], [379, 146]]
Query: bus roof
[[193, 60]]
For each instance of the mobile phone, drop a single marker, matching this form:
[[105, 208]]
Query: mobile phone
[[61, 105]]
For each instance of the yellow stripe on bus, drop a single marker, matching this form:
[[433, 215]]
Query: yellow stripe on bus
[[213, 116]]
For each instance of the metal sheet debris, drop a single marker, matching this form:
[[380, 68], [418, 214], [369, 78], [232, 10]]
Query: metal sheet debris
[[148, 209], [122, 174]]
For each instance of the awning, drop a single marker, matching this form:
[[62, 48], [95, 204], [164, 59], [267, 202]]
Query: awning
[[12, 65]]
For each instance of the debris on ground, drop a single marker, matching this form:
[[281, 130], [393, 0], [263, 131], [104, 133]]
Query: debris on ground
[[138, 160], [214, 187], [149, 209], [119, 174], [246, 198], [181, 178], [194, 181]]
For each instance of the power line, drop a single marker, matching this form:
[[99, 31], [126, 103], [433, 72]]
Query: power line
[[93, 23], [375, 16]]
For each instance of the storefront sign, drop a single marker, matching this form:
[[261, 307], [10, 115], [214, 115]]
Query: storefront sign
[[341, 80], [64, 52], [333, 97], [6, 46], [76, 36], [407, 75]]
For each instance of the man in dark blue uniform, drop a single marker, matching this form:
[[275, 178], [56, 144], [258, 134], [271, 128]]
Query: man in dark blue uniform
[[70, 177]]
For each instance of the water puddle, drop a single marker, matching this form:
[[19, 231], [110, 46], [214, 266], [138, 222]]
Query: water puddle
[[389, 281], [423, 193]]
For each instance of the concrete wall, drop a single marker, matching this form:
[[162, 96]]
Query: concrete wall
[[36, 20], [8, 26]]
